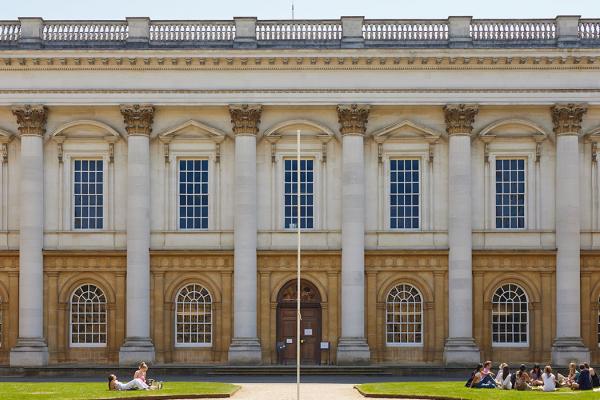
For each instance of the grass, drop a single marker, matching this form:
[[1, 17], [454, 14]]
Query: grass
[[457, 390], [97, 390]]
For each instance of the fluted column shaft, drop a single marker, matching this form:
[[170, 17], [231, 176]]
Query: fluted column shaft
[[460, 345], [31, 349], [245, 346], [568, 345], [353, 347], [138, 345]]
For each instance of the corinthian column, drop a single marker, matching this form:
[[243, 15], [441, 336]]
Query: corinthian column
[[245, 346], [460, 346], [352, 347], [31, 349], [138, 345], [568, 345]]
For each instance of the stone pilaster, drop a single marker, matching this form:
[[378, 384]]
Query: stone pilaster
[[245, 347], [460, 347], [352, 347], [138, 345], [568, 345], [31, 349]]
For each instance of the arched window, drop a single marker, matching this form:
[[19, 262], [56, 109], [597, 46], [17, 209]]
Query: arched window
[[404, 316], [193, 317], [599, 322], [510, 316], [88, 317], [1, 324]]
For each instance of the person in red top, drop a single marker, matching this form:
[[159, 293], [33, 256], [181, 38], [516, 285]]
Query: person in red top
[[141, 372]]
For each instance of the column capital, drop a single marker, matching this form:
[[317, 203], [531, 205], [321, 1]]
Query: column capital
[[31, 119], [459, 118], [245, 118], [353, 118], [138, 119], [567, 118]]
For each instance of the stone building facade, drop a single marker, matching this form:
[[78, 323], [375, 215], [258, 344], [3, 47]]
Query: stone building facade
[[450, 191]]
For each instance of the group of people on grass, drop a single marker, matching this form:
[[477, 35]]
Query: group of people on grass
[[584, 378], [139, 381]]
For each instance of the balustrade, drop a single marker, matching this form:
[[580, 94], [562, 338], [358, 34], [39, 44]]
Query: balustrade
[[70, 31], [299, 30], [513, 30], [405, 30], [177, 31]]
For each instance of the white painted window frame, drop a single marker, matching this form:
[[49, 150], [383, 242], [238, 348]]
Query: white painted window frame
[[422, 332], [177, 194], [528, 328], [86, 345], [212, 321]]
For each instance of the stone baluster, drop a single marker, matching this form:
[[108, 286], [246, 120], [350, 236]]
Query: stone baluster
[[138, 345], [353, 347], [460, 348], [245, 346], [568, 345], [31, 349]]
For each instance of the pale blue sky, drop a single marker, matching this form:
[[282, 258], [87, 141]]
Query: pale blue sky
[[272, 9]]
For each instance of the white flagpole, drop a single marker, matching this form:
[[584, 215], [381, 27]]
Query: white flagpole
[[298, 286]]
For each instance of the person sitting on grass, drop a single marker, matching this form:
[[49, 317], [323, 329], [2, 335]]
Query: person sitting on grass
[[470, 380], [487, 368], [141, 372], [572, 375], [135, 384], [593, 375], [584, 381], [549, 380], [504, 377], [536, 376], [481, 380], [522, 381]]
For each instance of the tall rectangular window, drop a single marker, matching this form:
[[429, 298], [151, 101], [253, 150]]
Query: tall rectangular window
[[193, 194], [306, 193], [405, 194], [88, 192], [510, 194]]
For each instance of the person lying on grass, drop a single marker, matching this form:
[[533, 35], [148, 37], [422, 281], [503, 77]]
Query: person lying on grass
[[135, 384]]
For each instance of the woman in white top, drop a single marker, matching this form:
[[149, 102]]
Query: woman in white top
[[549, 379], [503, 379], [136, 384]]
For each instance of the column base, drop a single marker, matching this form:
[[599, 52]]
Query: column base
[[353, 351], [136, 350], [569, 349], [29, 353], [461, 352], [245, 351]]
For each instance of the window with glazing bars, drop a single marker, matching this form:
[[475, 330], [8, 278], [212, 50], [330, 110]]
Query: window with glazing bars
[[193, 316], [510, 194], [88, 317], [404, 194], [88, 192], [193, 194], [404, 316], [510, 315], [306, 193]]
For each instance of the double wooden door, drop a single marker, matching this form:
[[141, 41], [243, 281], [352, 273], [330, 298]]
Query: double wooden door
[[310, 333]]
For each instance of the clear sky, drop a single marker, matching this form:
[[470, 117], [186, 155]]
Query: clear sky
[[281, 9]]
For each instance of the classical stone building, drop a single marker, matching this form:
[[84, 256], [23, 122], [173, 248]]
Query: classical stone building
[[450, 190]]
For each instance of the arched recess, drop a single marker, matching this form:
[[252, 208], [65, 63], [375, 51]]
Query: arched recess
[[278, 287], [174, 287], [419, 283], [533, 294], [77, 280], [306, 127], [85, 129]]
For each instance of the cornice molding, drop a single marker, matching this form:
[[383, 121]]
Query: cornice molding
[[70, 62]]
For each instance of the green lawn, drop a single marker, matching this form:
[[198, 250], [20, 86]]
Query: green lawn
[[97, 390], [457, 390]]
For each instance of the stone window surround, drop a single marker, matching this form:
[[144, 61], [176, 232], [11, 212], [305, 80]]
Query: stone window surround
[[422, 313], [528, 328], [212, 322], [88, 345]]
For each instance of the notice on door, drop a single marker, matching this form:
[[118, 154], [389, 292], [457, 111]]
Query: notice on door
[[308, 332], [289, 340]]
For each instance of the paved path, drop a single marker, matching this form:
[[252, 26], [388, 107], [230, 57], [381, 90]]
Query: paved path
[[287, 391]]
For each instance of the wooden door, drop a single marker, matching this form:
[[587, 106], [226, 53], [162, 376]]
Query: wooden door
[[310, 326]]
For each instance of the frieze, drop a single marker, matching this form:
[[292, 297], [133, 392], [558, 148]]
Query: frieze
[[195, 262], [514, 262], [416, 262], [326, 262], [84, 261], [9, 261]]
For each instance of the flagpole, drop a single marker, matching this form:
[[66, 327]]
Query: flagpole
[[298, 286]]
